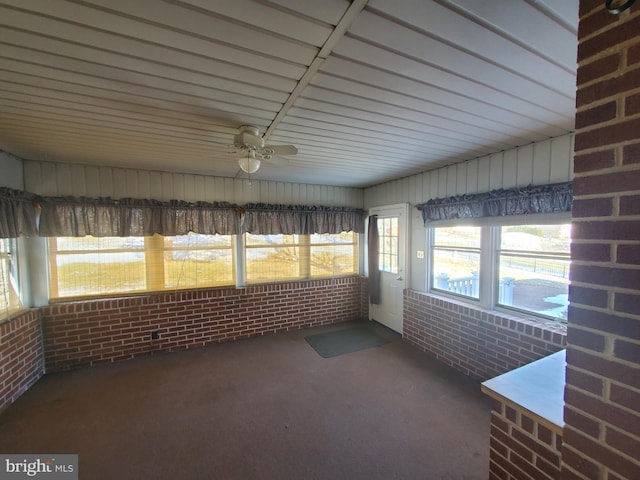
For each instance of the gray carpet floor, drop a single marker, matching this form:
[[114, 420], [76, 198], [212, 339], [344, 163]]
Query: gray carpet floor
[[264, 408]]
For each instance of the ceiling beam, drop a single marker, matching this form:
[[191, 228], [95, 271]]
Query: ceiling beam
[[338, 32]]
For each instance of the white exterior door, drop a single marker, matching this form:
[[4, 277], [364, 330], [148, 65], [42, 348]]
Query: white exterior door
[[392, 229]]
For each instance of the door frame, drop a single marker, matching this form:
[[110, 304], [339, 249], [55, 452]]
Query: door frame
[[404, 241]]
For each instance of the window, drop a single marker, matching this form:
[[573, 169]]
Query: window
[[334, 255], [192, 261], [525, 268], [456, 260], [288, 257], [81, 266], [91, 266], [388, 233], [533, 269], [273, 257], [10, 299]]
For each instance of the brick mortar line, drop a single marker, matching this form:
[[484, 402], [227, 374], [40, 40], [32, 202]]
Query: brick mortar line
[[608, 310], [605, 398], [624, 18], [608, 447]]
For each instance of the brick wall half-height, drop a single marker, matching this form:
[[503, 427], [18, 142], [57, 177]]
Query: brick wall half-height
[[482, 344], [103, 331], [21, 359], [522, 446]]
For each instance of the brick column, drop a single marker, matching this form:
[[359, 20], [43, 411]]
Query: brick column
[[602, 395]]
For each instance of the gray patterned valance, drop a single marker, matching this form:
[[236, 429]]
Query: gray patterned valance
[[265, 219], [106, 217], [129, 217], [17, 214], [503, 202]]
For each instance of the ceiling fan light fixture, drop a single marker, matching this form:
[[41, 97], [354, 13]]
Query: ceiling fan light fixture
[[254, 151], [249, 164]]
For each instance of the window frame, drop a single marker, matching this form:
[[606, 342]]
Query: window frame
[[306, 246], [489, 260], [155, 277], [153, 251]]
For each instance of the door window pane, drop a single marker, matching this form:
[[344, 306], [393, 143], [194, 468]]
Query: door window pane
[[388, 234]]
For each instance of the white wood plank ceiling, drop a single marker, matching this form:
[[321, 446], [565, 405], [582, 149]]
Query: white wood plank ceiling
[[369, 91]]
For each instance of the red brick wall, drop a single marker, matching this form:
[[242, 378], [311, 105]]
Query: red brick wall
[[103, 331], [21, 359], [602, 395], [522, 448], [479, 343]]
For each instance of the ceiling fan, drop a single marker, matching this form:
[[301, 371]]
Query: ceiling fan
[[254, 151]]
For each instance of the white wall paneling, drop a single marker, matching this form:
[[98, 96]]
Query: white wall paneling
[[544, 162], [418, 241], [11, 175], [541, 163], [510, 167], [524, 172], [484, 170], [496, 169], [57, 179], [472, 176], [561, 159], [452, 177]]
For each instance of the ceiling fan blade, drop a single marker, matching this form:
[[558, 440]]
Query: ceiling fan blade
[[279, 150], [277, 161]]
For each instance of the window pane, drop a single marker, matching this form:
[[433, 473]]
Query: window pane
[[333, 254], [534, 269], [90, 266], [332, 261], [197, 260], [272, 258], [456, 260]]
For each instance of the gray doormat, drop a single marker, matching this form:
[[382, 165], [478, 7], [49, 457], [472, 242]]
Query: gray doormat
[[339, 342]]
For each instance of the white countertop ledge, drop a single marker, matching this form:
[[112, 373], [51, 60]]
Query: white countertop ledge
[[537, 387]]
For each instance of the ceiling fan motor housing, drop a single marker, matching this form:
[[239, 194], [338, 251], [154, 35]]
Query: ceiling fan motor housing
[[249, 138]]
